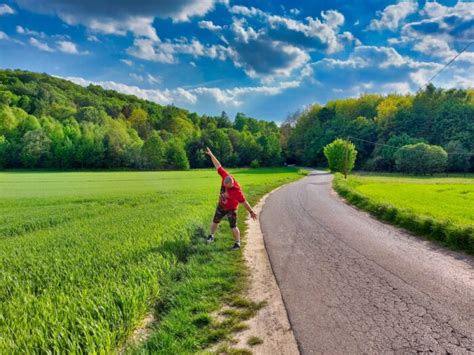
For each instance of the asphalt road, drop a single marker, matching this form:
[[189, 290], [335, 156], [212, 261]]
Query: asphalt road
[[352, 284]]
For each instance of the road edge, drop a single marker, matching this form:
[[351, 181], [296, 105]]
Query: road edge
[[271, 324]]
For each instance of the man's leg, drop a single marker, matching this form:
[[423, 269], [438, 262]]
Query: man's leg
[[214, 227], [236, 234], [218, 215], [232, 216]]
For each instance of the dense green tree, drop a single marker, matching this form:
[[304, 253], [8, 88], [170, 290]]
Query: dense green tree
[[154, 152], [36, 148], [421, 158], [175, 155], [458, 157], [341, 155]]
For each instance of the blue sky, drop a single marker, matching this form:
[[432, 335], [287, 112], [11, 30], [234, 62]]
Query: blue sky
[[264, 58]]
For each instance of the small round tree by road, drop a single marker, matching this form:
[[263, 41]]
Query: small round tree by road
[[421, 158], [341, 155]]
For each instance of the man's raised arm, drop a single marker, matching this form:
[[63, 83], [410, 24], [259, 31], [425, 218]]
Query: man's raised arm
[[213, 158]]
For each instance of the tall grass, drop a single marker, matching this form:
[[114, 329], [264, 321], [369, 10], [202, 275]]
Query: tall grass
[[84, 256]]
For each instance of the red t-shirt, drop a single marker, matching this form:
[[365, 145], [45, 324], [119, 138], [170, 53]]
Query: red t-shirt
[[229, 199]]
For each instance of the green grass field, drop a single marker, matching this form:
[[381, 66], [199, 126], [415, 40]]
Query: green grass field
[[441, 206], [450, 199], [85, 255]]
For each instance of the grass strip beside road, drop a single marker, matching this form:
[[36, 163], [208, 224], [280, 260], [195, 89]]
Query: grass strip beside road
[[441, 209]]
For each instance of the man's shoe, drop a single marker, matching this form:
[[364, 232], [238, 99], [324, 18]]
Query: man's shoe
[[210, 239], [236, 246]]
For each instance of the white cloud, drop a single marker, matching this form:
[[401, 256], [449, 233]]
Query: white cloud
[[209, 25], [27, 32], [146, 78], [232, 97], [6, 37], [127, 62], [122, 16], [68, 47], [435, 47], [333, 18], [246, 11], [374, 69], [393, 15], [165, 52], [40, 45], [92, 38], [6, 10], [295, 11]]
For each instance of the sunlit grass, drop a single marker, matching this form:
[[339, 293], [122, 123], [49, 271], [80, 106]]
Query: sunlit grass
[[84, 256], [444, 198]]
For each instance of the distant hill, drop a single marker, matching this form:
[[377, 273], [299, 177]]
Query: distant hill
[[48, 122]]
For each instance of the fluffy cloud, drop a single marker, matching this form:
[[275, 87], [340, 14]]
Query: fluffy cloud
[[119, 17], [392, 16], [263, 57], [440, 31], [376, 69], [313, 33], [232, 97], [67, 47], [209, 25], [450, 23], [148, 78], [165, 52], [6, 10], [40, 45]]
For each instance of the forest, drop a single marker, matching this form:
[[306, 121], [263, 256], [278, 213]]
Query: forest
[[48, 122], [379, 126]]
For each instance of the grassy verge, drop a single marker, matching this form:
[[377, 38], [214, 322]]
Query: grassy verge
[[415, 206]]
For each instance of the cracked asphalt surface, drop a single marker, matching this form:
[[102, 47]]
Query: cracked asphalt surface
[[352, 284]]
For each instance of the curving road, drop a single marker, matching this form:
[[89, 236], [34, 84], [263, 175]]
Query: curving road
[[352, 284]]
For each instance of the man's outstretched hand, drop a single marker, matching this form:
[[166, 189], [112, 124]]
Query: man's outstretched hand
[[213, 158], [253, 215]]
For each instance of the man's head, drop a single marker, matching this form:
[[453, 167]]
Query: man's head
[[228, 182]]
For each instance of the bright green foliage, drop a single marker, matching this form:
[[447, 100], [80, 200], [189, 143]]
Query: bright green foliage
[[379, 125], [154, 152], [440, 208], [84, 256], [175, 155], [96, 128], [421, 158], [341, 155]]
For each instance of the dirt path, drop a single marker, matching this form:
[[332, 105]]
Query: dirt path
[[271, 322], [352, 284]]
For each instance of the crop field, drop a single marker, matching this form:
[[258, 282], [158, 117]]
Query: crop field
[[439, 207], [449, 199], [85, 255]]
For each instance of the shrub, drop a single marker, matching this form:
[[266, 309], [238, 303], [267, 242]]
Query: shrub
[[421, 158], [341, 155]]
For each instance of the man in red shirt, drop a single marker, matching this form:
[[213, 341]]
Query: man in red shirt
[[230, 197]]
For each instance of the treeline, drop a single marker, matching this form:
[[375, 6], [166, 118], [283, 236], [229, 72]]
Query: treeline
[[380, 125], [47, 122]]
